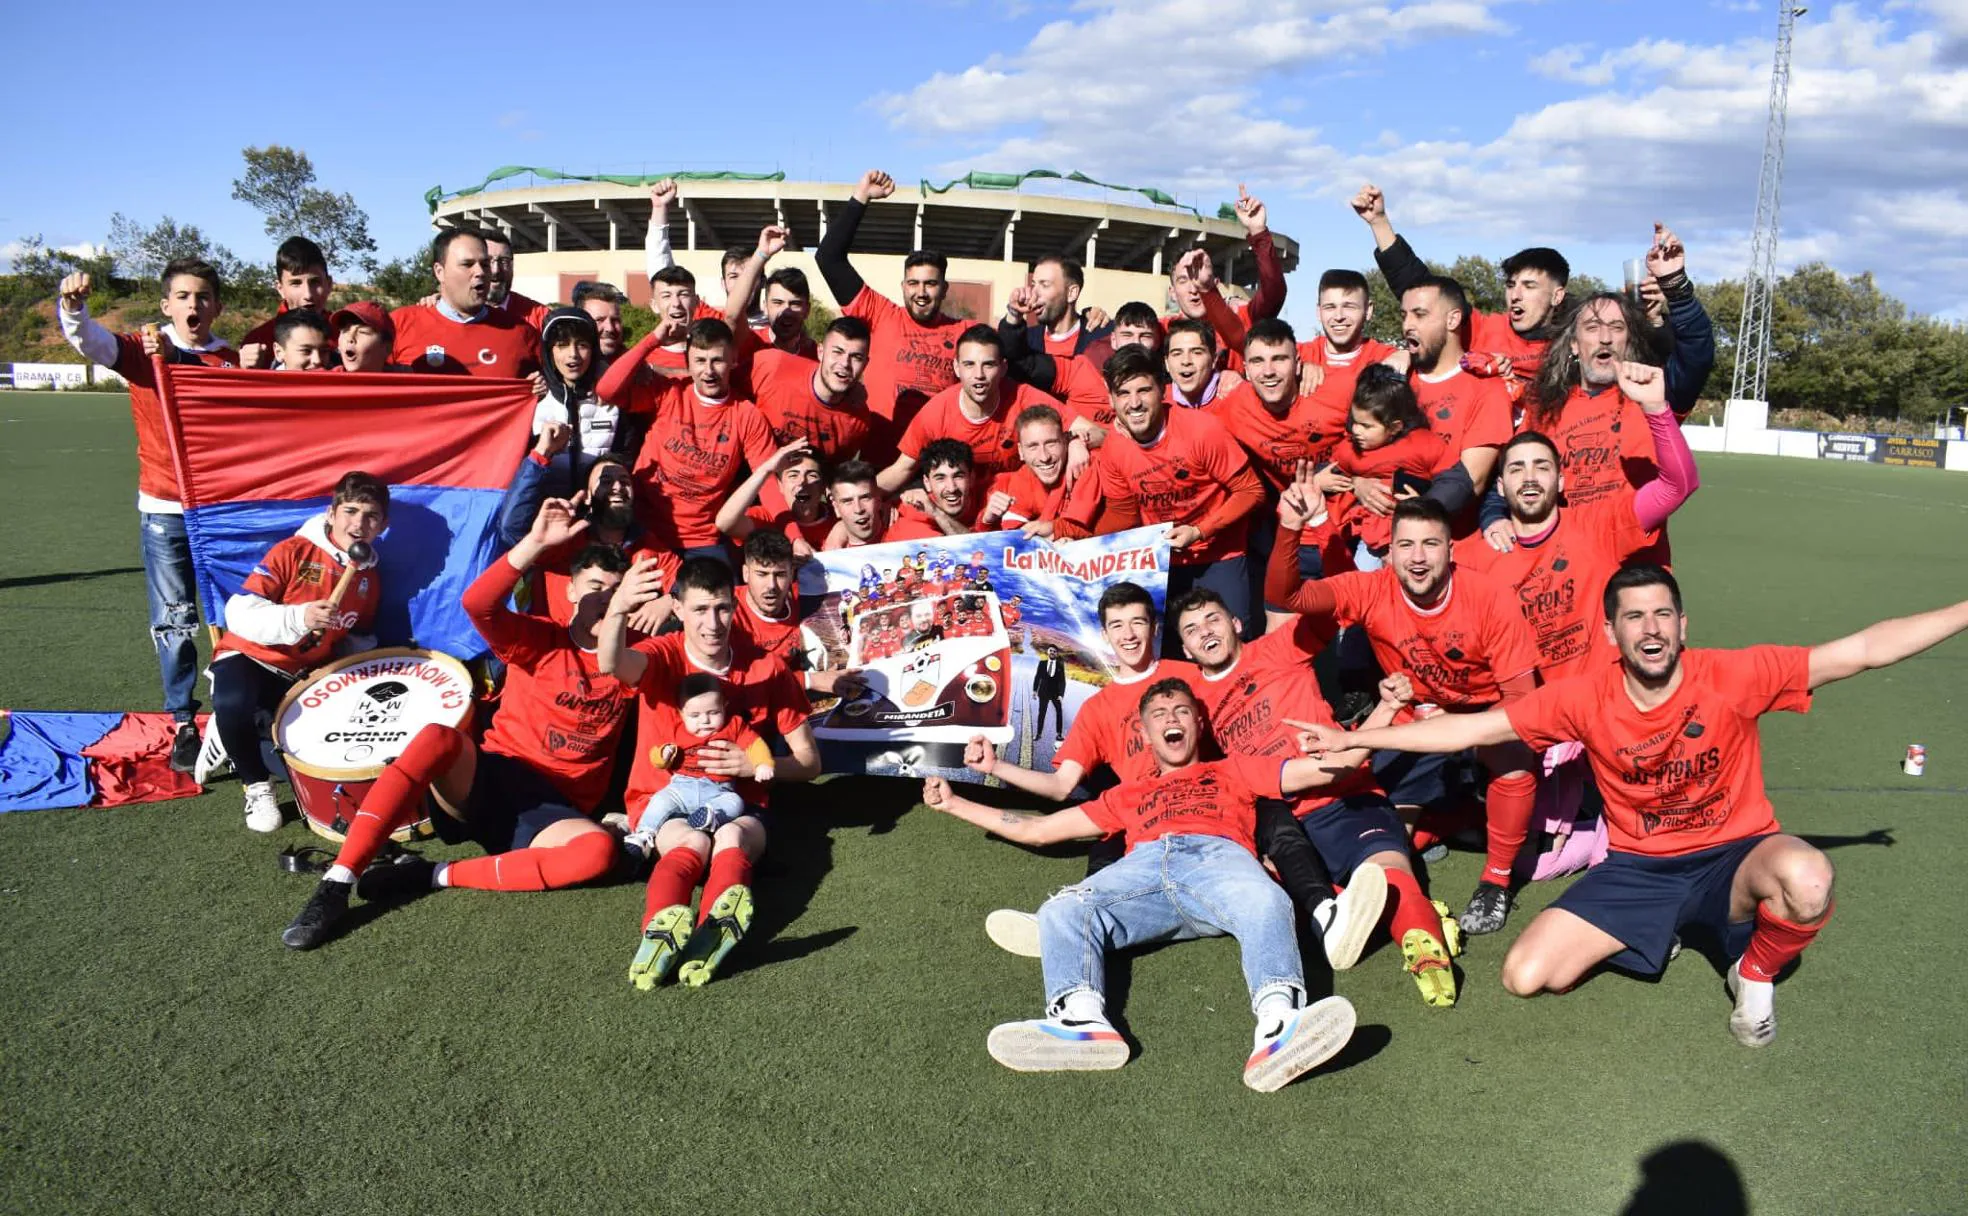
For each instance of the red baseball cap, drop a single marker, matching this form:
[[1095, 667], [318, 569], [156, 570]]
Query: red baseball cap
[[365, 312]]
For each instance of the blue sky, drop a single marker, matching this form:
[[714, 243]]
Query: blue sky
[[1491, 124]]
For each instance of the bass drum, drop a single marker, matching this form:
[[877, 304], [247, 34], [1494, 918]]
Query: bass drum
[[338, 729]]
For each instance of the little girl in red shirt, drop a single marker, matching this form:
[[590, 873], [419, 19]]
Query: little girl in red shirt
[[1389, 437]]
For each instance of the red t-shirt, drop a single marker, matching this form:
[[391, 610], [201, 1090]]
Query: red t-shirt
[[263, 332], [1106, 728], [557, 713], [1490, 334], [299, 571], [758, 688], [907, 362], [1605, 451], [1687, 774], [993, 442], [1466, 411], [550, 596], [776, 637], [157, 469], [1081, 384], [1211, 798], [782, 385], [1180, 478], [691, 458], [1343, 371], [1457, 653], [1063, 346], [1312, 427], [1031, 500], [671, 730], [1421, 453], [1271, 681], [1560, 580], [496, 344]]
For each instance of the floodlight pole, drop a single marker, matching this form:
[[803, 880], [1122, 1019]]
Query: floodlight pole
[[1751, 383]]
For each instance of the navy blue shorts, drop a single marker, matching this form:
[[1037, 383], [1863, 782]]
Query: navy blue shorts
[[510, 804], [1354, 829], [1644, 901], [1413, 779]]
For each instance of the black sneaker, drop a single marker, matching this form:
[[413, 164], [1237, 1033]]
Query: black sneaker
[[318, 917], [1488, 908], [402, 880], [1353, 708], [184, 747]]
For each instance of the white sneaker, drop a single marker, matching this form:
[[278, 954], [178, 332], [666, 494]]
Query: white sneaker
[[1345, 922], [1014, 932], [1307, 1038], [1754, 1019], [212, 758], [262, 808], [616, 822], [1058, 1045], [640, 845]]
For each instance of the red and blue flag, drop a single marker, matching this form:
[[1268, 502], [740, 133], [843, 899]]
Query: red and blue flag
[[258, 453]]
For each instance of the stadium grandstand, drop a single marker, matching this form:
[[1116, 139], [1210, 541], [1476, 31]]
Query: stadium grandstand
[[593, 229]]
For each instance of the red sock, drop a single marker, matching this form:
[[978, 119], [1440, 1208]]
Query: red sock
[[1775, 943], [582, 859], [1411, 908], [1422, 839], [397, 798], [675, 877], [729, 868], [1511, 801]]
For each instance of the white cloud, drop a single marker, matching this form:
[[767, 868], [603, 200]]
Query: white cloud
[[1180, 93], [85, 249]]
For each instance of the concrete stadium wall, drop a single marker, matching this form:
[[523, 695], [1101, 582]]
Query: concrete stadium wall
[[1812, 445], [541, 275]]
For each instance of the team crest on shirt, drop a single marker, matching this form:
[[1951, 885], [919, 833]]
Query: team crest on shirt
[[362, 585], [434, 355], [1444, 414], [487, 356]]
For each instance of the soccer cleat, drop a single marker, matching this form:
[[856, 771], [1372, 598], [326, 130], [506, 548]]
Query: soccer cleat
[[730, 916], [394, 882], [1354, 707], [185, 745], [1488, 909], [662, 943], [316, 923], [262, 808], [212, 758], [1427, 959], [1674, 948], [1451, 928], [1014, 932], [1307, 1038], [1435, 852], [1057, 1045], [1345, 921], [1754, 1019]]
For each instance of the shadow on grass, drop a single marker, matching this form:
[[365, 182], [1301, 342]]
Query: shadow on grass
[[71, 576], [1688, 1178], [1879, 836]]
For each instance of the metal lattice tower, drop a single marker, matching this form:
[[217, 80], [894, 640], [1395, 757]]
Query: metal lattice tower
[[1759, 287]]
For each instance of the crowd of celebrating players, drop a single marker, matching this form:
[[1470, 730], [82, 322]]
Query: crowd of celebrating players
[[1418, 593]]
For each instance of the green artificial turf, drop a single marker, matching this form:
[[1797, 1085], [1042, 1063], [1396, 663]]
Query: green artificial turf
[[160, 1051]]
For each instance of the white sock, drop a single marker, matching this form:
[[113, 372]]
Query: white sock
[[1084, 1006], [441, 876], [1273, 1007], [1324, 913], [339, 873]]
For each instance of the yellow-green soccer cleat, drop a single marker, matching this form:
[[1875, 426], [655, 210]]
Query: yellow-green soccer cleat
[[730, 916], [662, 942], [1428, 961], [1451, 928]]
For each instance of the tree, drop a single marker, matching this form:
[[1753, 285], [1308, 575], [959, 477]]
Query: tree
[[404, 280], [279, 184], [143, 252]]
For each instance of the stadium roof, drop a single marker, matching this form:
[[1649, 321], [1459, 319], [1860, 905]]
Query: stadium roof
[[960, 223]]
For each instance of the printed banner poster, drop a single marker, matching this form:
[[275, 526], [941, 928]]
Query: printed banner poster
[[995, 635]]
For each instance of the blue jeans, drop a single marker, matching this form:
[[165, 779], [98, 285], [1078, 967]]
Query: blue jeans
[[686, 794], [1171, 890], [168, 583]]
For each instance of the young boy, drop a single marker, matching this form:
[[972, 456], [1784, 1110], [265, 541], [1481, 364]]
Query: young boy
[[191, 303], [701, 799], [364, 335], [283, 622], [302, 279], [303, 341]]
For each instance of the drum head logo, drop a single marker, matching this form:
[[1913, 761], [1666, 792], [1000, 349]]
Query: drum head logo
[[380, 704]]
